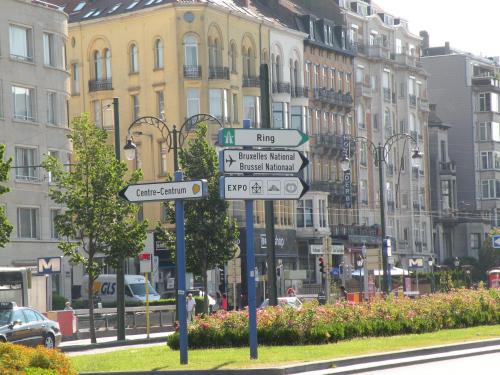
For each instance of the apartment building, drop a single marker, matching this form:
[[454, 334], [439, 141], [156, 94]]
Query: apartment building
[[391, 99], [33, 124], [467, 97]]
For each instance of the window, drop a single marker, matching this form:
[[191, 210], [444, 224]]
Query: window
[[296, 117], [475, 240], [307, 76], [446, 196], [251, 110], [235, 107], [97, 66], [489, 131], [191, 50], [21, 42], [361, 117], [26, 164], [305, 213], [75, 79], [79, 6], [158, 54], [375, 121], [48, 49], [490, 189], [132, 4], [363, 154], [363, 188], [27, 222], [488, 102], [51, 107], [339, 82], [316, 76], [135, 107], [107, 63], [322, 213], [24, 103], [53, 230], [134, 59], [232, 56], [115, 7], [278, 115], [193, 102], [160, 104], [163, 158], [215, 103]]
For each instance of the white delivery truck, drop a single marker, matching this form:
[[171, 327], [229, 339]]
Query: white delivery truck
[[105, 288]]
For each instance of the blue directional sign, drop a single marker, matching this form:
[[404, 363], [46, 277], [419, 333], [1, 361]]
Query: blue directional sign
[[496, 241]]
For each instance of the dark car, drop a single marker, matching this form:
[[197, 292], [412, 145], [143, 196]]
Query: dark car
[[26, 326]]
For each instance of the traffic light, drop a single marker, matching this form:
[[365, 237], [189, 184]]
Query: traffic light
[[321, 265]]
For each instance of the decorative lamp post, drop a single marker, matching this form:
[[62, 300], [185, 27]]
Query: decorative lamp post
[[431, 267], [380, 153]]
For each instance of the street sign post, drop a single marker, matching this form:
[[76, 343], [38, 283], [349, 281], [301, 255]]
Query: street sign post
[[260, 187], [229, 137], [161, 191], [496, 241], [262, 161]]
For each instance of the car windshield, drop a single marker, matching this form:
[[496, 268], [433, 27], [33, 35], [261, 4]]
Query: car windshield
[[138, 289], [5, 317]]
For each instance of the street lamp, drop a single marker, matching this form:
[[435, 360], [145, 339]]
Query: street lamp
[[431, 267], [360, 262], [380, 153], [456, 262]]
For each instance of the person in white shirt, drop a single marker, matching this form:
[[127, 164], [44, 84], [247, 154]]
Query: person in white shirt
[[190, 307]]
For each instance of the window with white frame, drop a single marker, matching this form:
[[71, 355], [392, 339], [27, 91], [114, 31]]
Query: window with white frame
[[21, 42], [278, 115], [361, 117], [48, 49], [24, 103], [475, 240], [307, 75], [134, 59], [135, 107], [53, 230], [488, 102], [490, 160], [26, 160], [193, 102], [27, 222], [215, 103], [316, 77], [97, 66], [489, 131], [323, 223], [51, 108], [160, 104], [305, 213], [490, 189], [363, 156], [251, 109], [190, 50], [158, 54], [107, 63], [296, 117], [75, 79], [163, 158]]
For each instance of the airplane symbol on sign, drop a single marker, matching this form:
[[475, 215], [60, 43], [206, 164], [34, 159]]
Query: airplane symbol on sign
[[230, 161]]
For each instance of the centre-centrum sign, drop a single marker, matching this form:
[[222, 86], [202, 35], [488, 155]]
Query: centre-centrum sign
[[165, 191]]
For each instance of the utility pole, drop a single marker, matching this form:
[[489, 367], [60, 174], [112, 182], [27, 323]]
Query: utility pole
[[265, 113]]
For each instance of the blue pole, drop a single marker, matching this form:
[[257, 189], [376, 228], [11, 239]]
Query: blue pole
[[252, 308], [181, 274]]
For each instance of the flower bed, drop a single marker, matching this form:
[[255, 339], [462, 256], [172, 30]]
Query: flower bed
[[17, 359], [314, 324]]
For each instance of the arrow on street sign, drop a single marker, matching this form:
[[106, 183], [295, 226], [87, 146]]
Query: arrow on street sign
[[496, 241], [162, 191], [229, 137], [262, 187], [262, 161]]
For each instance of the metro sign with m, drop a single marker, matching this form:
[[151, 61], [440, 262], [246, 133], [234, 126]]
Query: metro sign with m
[[415, 262], [49, 265]]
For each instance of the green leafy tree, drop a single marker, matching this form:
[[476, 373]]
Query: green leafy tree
[[210, 234], [95, 222], [5, 227], [489, 257]]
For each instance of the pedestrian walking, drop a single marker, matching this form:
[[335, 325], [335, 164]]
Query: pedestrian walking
[[67, 306], [190, 308], [223, 302]]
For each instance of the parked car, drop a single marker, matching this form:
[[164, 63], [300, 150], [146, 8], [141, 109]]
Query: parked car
[[26, 326], [293, 302]]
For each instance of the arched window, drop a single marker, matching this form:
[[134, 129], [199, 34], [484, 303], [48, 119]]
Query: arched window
[[107, 63], [273, 68], [217, 53], [277, 69], [190, 50], [296, 74], [158, 54], [97, 66], [134, 59], [233, 57], [249, 62], [244, 55], [292, 75]]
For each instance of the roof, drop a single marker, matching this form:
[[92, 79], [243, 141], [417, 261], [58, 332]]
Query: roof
[[435, 120]]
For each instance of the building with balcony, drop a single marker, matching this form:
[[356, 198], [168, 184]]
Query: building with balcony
[[34, 85], [456, 233], [391, 98]]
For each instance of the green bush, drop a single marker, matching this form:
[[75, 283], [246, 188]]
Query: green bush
[[315, 324], [58, 302], [17, 359]]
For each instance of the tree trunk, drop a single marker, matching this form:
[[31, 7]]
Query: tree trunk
[[91, 310], [205, 281]]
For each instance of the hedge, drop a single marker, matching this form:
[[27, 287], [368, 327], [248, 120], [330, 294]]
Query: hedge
[[315, 324], [18, 359]]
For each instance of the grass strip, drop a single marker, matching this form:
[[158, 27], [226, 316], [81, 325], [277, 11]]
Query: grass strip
[[162, 358]]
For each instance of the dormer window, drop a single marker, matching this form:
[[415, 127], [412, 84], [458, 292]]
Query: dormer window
[[325, 34], [89, 13], [115, 7], [311, 29], [132, 4], [79, 7]]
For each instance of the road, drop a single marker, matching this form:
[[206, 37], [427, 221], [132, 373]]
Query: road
[[485, 364]]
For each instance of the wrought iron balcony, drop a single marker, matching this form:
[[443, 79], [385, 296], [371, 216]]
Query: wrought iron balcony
[[387, 94], [363, 90], [299, 92], [413, 100], [218, 72], [335, 188], [251, 81], [370, 235], [447, 168], [281, 88], [192, 71], [100, 85]]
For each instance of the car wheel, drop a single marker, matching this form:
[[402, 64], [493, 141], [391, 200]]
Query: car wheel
[[2, 339], [49, 341]]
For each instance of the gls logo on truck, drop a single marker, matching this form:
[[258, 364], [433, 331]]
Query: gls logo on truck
[[106, 288]]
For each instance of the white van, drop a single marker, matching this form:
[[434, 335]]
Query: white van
[[105, 286]]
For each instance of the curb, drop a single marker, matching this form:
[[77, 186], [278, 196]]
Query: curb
[[111, 344], [336, 365]]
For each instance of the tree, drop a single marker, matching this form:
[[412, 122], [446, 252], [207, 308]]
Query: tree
[[5, 227], [210, 234], [95, 222]]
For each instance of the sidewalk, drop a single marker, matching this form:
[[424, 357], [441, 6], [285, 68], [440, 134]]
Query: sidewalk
[[108, 342]]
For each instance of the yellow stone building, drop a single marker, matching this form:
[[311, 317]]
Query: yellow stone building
[[165, 59]]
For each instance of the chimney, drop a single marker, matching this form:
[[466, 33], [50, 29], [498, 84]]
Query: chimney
[[425, 39]]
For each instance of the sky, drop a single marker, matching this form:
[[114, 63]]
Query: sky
[[468, 26]]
